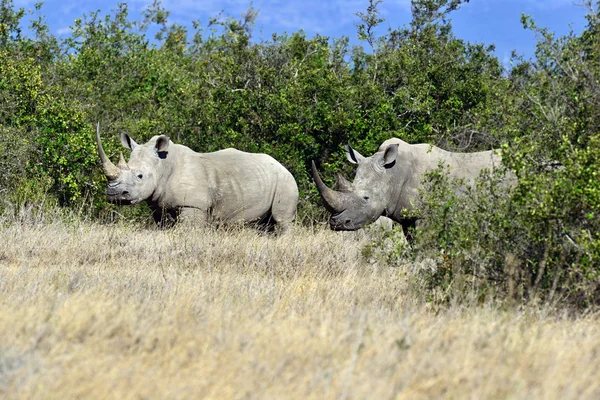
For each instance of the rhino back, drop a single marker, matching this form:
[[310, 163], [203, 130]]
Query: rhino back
[[415, 160], [461, 165], [229, 183], [426, 157]]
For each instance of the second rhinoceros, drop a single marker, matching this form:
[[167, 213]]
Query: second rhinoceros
[[388, 182], [180, 184]]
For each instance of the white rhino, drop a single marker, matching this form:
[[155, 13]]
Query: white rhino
[[388, 182], [180, 184]]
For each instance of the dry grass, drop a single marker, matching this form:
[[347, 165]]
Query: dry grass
[[92, 311]]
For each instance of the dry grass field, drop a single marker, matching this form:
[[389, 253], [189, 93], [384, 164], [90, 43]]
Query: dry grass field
[[113, 311]]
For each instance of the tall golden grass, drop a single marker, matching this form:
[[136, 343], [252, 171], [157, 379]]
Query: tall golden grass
[[116, 311]]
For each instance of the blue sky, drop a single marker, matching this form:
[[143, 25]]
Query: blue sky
[[481, 21]]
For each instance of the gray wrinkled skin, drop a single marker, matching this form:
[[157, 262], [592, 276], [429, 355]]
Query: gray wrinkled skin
[[388, 182], [180, 184]]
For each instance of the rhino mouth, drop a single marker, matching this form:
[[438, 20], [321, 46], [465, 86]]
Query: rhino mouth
[[119, 201], [340, 228], [351, 221], [120, 197], [338, 222]]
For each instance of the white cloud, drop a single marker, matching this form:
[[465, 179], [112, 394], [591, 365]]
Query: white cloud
[[526, 4], [313, 16], [537, 4], [23, 3], [326, 17], [63, 31], [551, 4]]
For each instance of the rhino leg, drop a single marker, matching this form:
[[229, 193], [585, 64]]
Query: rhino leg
[[164, 218], [284, 206], [284, 227], [408, 227], [193, 216]]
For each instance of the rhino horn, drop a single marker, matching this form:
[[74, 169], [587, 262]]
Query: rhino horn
[[111, 171], [334, 201], [122, 163], [343, 184]]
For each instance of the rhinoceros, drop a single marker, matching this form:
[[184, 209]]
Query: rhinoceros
[[388, 182], [180, 184]]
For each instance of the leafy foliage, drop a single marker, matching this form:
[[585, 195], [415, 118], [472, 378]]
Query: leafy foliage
[[539, 242], [301, 98]]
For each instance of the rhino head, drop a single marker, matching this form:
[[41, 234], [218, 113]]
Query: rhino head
[[138, 180], [363, 201]]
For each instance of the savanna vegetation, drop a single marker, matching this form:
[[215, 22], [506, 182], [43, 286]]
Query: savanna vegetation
[[122, 311], [300, 98], [496, 297], [297, 98]]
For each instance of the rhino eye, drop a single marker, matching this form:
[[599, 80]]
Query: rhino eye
[[366, 197], [140, 176]]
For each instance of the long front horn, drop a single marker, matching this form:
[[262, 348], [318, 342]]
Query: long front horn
[[111, 171], [333, 201]]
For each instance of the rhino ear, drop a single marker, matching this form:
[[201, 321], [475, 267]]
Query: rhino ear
[[352, 155], [162, 143], [127, 141], [389, 156]]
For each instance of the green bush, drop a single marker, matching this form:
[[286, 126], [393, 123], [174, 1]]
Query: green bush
[[540, 242], [301, 98]]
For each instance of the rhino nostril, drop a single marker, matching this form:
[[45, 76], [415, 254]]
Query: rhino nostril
[[347, 221], [125, 192]]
